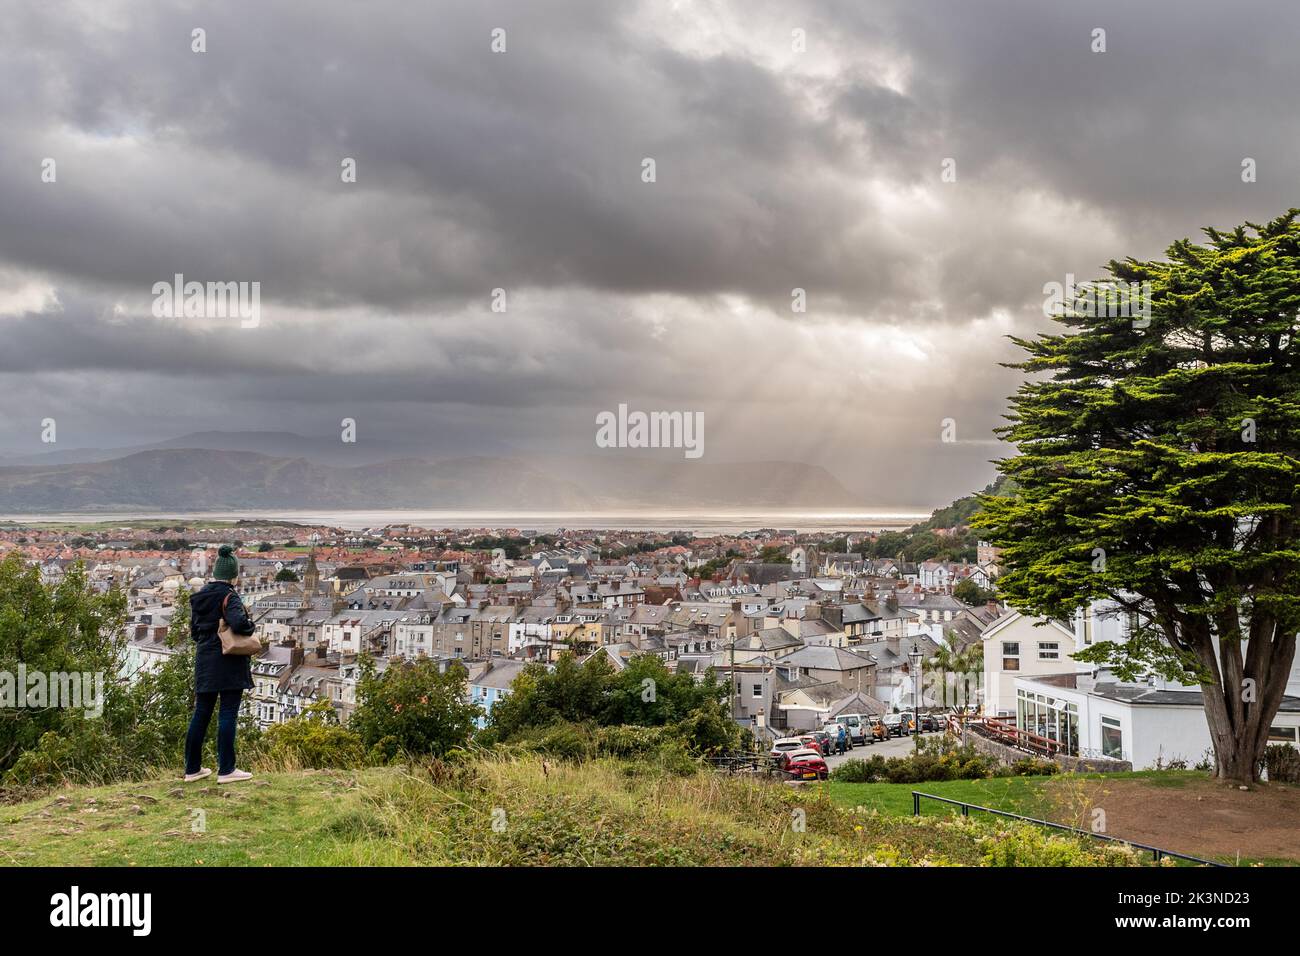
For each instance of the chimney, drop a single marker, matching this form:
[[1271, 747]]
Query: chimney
[[295, 656]]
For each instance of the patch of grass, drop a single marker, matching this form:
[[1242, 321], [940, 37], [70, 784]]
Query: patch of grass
[[1029, 796], [275, 820], [1023, 795], [499, 810]]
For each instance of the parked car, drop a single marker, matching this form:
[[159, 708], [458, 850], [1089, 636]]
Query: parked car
[[893, 723], [810, 742], [932, 722], [856, 725], [909, 722], [804, 765], [783, 746], [878, 730], [825, 742], [832, 730]]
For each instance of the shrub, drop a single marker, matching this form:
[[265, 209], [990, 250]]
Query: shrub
[[939, 761], [708, 730], [1029, 846], [856, 770], [561, 740], [81, 754], [413, 708], [627, 740], [1283, 763], [1034, 767], [314, 739]]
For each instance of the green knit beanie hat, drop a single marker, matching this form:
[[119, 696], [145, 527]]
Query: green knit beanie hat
[[226, 568]]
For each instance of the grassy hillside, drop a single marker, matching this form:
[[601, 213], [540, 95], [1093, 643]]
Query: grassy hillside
[[501, 811]]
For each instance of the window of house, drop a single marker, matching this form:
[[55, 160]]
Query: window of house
[[1283, 735], [1049, 650], [1011, 655], [1112, 738], [758, 690]]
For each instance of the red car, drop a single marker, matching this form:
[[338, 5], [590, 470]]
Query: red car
[[804, 765]]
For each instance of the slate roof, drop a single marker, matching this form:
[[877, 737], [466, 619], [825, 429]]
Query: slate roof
[[825, 659]]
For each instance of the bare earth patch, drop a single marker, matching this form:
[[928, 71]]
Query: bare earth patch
[[1196, 816]]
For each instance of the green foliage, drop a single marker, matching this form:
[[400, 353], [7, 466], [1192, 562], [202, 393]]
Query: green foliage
[[412, 708], [286, 574], [1029, 846], [66, 628], [589, 741], [572, 692], [644, 694], [144, 716], [1159, 467], [968, 592], [941, 760], [1283, 763], [79, 752], [314, 739]]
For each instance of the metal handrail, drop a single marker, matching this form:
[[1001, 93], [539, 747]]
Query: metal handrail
[[1022, 739], [1157, 852], [734, 763]]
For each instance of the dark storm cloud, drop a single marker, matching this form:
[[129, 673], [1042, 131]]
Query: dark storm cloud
[[521, 170], [475, 170]]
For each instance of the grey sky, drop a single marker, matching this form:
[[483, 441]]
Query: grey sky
[[475, 170]]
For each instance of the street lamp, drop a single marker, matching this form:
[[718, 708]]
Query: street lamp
[[914, 658]]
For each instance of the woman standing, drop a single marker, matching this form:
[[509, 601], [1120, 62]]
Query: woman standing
[[217, 676]]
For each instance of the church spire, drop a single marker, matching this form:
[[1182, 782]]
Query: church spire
[[310, 579]]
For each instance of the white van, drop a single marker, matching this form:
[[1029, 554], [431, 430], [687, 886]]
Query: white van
[[858, 726]]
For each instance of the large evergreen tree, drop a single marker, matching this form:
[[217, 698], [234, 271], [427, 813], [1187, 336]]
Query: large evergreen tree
[[1159, 467]]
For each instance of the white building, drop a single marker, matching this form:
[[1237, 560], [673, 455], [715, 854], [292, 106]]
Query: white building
[[1020, 646], [1148, 724]]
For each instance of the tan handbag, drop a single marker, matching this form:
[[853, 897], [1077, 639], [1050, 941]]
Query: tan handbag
[[236, 645]]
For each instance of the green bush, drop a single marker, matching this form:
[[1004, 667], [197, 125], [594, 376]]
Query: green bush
[[80, 754], [412, 708], [313, 739], [1283, 763], [627, 740], [560, 740], [950, 762], [660, 748], [1033, 767], [857, 770], [1030, 846]]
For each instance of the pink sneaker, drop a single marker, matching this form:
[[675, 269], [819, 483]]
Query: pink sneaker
[[203, 772], [235, 776]]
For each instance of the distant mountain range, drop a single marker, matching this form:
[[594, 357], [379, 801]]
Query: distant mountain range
[[285, 471], [328, 451]]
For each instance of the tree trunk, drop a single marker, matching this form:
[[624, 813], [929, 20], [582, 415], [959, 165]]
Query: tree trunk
[[1239, 721]]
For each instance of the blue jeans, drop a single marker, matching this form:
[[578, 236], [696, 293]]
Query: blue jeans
[[227, 721]]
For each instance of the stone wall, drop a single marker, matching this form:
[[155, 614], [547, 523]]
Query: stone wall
[[1009, 755]]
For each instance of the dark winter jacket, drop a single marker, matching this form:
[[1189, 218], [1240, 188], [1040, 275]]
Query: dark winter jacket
[[214, 671]]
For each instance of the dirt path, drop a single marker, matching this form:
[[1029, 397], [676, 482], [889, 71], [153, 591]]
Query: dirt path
[[1198, 817]]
